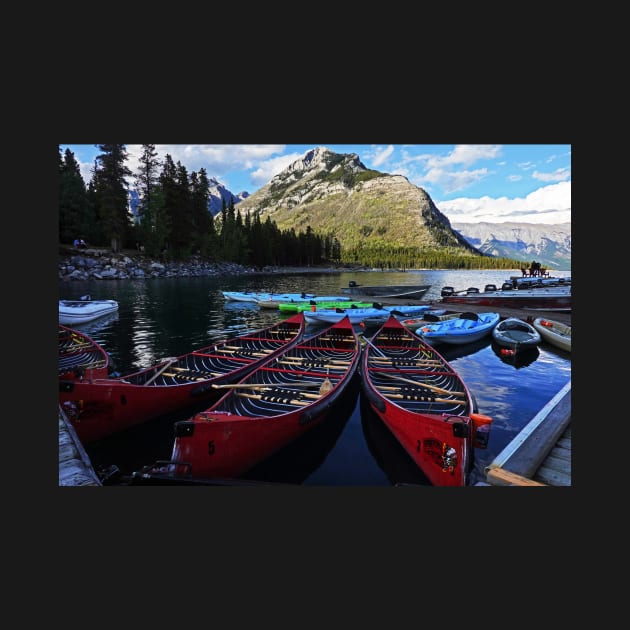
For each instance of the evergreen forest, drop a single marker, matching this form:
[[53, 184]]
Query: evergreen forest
[[173, 221]]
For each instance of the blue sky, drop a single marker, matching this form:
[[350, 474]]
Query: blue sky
[[469, 183]]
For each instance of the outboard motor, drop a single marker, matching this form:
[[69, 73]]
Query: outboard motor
[[352, 284]]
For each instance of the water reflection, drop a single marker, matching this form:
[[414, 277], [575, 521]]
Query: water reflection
[[169, 317], [300, 459], [390, 456], [519, 359]]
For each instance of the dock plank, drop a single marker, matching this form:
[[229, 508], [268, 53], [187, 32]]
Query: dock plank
[[541, 451]]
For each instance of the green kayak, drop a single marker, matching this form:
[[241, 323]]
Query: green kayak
[[297, 307]]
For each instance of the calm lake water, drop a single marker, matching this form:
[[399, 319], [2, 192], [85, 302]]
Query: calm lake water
[[167, 317]]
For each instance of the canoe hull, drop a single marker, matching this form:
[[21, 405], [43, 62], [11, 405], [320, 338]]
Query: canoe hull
[[80, 356], [422, 401], [101, 407], [270, 408]]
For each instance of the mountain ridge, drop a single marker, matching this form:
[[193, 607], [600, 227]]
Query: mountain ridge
[[335, 194], [549, 244]]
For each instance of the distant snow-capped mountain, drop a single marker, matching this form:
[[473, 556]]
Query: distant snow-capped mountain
[[548, 244], [217, 192]]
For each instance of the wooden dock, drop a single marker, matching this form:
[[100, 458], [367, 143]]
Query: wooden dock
[[75, 467], [540, 455]]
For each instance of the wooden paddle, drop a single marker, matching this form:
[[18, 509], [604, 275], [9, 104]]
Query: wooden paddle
[[296, 366], [393, 388], [406, 380], [248, 349], [435, 388], [188, 378], [286, 400], [206, 376], [324, 387], [327, 360], [266, 385], [415, 361], [244, 350], [425, 398], [162, 369]]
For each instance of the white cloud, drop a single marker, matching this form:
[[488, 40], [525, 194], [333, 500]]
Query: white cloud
[[268, 169], [550, 204], [381, 155], [467, 154], [559, 175]]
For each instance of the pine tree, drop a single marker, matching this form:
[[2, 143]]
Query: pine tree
[[204, 236], [74, 209], [153, 228], [111, 194]]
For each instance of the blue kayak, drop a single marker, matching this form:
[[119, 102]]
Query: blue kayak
[[465, 329], [366, 315]]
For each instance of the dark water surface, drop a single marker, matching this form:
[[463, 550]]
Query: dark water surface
[[167, 317]]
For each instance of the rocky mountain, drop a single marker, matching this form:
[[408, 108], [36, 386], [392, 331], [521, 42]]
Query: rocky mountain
[[219, 194], [548, 244], [335, 194]]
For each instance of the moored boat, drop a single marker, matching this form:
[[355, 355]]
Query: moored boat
[[80, 356], [554, 332], [515, 334], [538, 281], [548, 299], [72, 312], [400, 291], [102, 406], [429, 317], [424, 403], [305, 302], [467, 328], [373, 315], [281, 400], [312, 305], [271, 300], [255, 296]]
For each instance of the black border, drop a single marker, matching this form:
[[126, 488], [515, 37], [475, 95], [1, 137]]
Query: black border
[[417, 528]]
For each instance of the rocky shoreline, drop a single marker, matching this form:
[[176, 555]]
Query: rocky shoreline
[[102, 264]]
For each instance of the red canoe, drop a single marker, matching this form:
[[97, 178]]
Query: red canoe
[[102, 406], [277, 403], [423, 402], [80, 356]]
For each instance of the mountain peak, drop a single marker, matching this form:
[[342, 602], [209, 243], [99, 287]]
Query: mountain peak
[[314, 162]]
